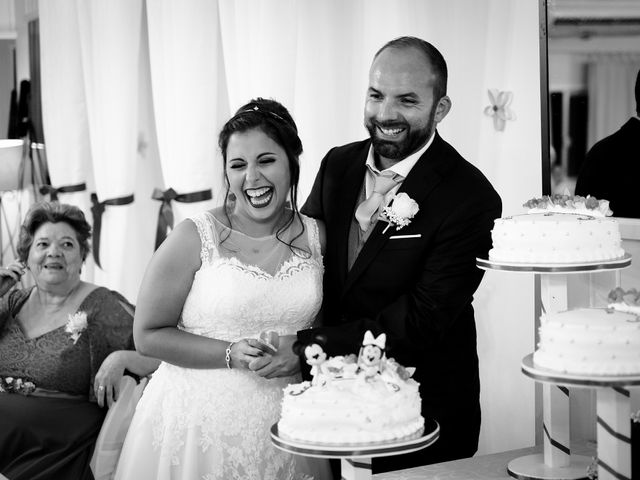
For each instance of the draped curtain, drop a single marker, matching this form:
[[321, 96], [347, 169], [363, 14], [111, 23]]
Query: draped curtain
[[65, 118], [158, 78], [186, 60], [611, 79], [110, 41]]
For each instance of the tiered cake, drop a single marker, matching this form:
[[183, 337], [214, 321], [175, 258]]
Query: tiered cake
[[558, 229], [352, 399], [593, 341]]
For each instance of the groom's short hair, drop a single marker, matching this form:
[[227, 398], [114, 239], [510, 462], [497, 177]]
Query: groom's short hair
[[433, 56]]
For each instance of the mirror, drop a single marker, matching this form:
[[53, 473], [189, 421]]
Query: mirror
[[594, 57]]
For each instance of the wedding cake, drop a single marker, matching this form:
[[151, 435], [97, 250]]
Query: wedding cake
[[352, 399], [593, 341], [558, 229]]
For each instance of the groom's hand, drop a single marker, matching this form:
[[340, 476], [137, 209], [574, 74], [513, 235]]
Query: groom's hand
[[283, 363]]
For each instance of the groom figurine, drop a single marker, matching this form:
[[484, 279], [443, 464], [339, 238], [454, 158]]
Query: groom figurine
[[408, 270]]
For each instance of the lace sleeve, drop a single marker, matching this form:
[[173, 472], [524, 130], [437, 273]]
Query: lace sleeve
[[208, 236], [314, 236]]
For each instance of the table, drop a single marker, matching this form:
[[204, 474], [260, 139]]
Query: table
[[482, 467]]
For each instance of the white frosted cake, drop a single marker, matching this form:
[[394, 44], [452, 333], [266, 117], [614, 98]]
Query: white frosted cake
[[352, 400], [590, 341], [558, 229]]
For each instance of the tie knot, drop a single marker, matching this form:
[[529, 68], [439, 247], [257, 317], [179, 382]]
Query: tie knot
[[385, 181]]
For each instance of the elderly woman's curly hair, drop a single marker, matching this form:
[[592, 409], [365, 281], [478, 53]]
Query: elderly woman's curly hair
[[53, 212]]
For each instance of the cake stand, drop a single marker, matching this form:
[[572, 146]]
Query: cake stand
[[355, 458], [613, 407], [556, 461]]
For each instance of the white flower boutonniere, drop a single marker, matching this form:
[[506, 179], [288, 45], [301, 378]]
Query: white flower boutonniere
[[76, 325], [400, 212]]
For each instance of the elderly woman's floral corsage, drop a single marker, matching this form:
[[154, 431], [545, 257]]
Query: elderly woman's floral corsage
[[16, 385], [400, 212], [76, 325]]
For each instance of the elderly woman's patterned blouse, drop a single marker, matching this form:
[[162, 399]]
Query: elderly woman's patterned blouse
[[53, 361]]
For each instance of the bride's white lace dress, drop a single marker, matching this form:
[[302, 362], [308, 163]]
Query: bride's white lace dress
[[215, 424]]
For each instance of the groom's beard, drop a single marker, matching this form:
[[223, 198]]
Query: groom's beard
[[413, 141]]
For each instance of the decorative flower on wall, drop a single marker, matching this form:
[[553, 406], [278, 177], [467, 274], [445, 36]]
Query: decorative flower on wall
[[499, 108]]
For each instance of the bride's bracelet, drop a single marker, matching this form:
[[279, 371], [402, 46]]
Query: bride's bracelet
[[227, 355]]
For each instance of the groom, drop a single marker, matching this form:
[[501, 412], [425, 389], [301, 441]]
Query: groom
[[414, 283]]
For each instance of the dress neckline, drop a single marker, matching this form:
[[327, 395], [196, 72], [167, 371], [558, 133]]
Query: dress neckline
[[14, 315], [264, 238]]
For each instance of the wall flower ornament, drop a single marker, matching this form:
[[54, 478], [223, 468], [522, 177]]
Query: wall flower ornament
[[499, 108]]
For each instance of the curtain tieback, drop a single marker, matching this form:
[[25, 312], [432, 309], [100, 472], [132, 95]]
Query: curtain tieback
[[54, 191], [97, 209], [165, 215]]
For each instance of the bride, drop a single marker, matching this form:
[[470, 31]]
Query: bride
[[218, 281]]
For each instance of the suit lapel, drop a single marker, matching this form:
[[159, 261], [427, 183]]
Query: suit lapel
[[422, 179]]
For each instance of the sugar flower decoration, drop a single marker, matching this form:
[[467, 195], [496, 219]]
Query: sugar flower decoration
[[499, 108], [400, 212], [76, 325]]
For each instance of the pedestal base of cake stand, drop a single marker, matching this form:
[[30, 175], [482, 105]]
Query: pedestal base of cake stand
[[532, 467], [613, 410], [355, 459]]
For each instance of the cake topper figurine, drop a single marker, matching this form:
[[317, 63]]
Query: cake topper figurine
[[315, 356], [371, 354]]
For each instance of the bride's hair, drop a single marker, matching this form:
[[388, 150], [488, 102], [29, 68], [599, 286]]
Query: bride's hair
[[272, 118]]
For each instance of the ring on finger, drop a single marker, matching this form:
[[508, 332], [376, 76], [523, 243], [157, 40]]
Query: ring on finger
[[101, 387]]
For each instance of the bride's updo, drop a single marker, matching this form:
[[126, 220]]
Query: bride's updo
[[272, 118]]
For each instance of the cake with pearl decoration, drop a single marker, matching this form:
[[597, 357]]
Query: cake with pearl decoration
[[593, 341], [558, 229], [352, 399]]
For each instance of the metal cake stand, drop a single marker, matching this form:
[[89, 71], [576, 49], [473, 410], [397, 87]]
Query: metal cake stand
[[556, 463], [355, 458]]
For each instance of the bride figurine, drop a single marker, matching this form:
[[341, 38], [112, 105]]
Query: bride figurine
[[220, 279]]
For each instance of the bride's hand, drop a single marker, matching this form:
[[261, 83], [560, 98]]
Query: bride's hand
[[283, 363], [243, 352]]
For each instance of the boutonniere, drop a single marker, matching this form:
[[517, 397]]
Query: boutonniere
[[402, 209], [76, 325]]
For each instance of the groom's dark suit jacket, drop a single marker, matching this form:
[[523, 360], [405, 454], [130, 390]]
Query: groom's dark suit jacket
[[418, 289], [611, 170]]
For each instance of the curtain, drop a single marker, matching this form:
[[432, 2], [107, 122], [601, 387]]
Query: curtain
[[110, 41], [160, 78], [64, 108], [187, 81], [611, 79]]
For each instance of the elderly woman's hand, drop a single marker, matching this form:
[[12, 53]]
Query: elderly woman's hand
[[10, 275], [107, 382]]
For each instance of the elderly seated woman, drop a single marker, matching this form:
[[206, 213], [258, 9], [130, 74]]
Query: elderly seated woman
[[64, 346]]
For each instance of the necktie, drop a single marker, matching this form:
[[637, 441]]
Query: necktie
[[368, 211]]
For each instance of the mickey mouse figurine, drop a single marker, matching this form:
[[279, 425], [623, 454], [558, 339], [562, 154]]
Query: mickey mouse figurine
[[315, 356], [371, 354]]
